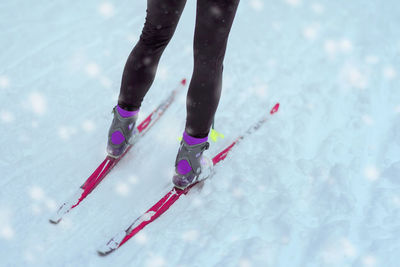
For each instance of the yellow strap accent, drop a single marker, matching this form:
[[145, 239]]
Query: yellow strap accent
[[214, 135]]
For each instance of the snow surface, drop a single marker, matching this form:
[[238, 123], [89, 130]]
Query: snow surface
[[318, 185]]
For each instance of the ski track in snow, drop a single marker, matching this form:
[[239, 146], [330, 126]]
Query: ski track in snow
[[317, 185]]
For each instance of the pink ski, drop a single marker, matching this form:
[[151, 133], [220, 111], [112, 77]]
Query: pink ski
[[166, 202], [105, 167]]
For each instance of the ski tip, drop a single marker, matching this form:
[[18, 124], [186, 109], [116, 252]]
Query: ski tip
[[104, 251], [55, 220], [274, 109], [183, 82], [112, 245]]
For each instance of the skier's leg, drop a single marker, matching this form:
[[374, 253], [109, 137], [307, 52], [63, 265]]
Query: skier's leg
[[213, 23], [214, 19], [161, 20]]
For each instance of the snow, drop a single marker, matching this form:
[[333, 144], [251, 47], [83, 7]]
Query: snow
[[257, 5], [107, 9], [6, 116], [88, 126], [92, 69], [6, 230], [4, 82], [317, 185], [317, 8], [311, 32], [389, 72], [37, 103]]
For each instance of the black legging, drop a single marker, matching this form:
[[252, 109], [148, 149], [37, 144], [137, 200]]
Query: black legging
[[213, 23]]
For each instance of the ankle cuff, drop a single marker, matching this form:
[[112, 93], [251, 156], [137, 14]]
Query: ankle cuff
[[190, 140], [125, 114]]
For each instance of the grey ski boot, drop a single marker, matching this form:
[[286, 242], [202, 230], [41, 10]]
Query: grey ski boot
[[191, 165], [121, 134]]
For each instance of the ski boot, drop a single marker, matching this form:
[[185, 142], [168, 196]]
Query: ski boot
[[191, 165], [122, 131]]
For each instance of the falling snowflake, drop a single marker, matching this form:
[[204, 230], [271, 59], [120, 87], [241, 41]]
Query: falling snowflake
[[348, 248], [368, 119], [311, 32], [197, 201], [397, 109], [36, 208], [257, 5], [40, 202], [140, 238], [107, 10], [369, 261], [106, 82], [215, 11], [389, 72], [133, 179], [244, 263], [371, 173], [51, 204], [6, 116], [122, 189], [4, 82], [38, 103], [310, 106], [6, 232], [338, 250], [261, 90], [162, 72], [36, 193], [354, 77], [317, 8], [330, 47], [396, 201], [88, 126], [187, 49], [92, 69], [65, 132], [293, 2], [345, 45]]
